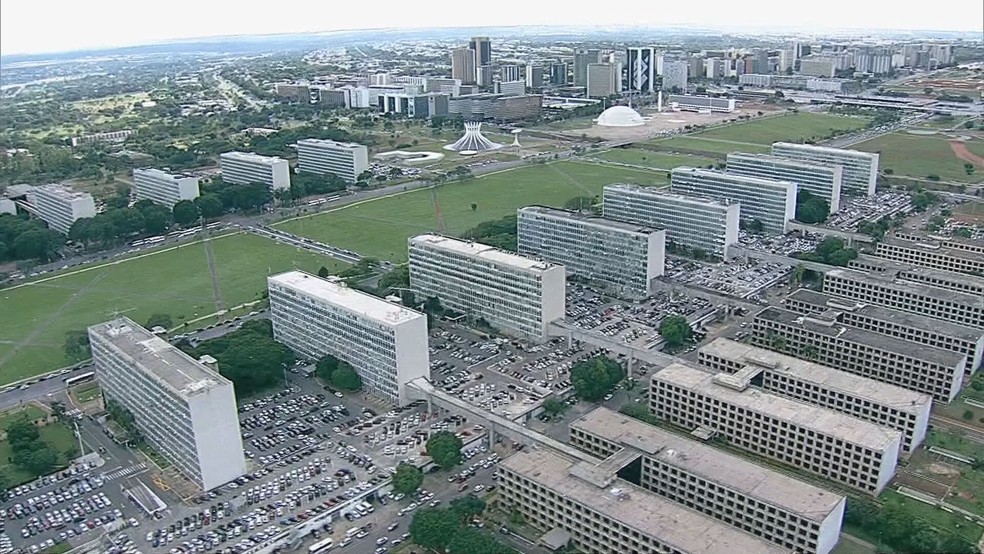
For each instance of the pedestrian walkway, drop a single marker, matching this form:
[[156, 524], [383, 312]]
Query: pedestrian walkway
[[124, 471]]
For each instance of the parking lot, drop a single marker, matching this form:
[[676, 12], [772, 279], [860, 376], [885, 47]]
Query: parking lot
[[741, 280], [856, 209]]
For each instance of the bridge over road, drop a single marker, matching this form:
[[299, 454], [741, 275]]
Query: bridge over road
[[743, 252]]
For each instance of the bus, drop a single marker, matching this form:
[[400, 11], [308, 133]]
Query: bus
[[81, 378], [321, 546]]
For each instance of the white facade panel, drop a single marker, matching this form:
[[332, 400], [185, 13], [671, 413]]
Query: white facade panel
[[860, 173], [242, 168], [161, 187], [771, 202], [60, 206], [347, 160], [823, 180]]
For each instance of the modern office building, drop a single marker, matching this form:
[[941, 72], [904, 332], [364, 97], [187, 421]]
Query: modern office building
[[690, 103], [691, 222], [880, 403], [603, 80], [603, 514], [842, 448], [817, 67], [516, 294], [243, 168], [785, 511], [625, 256], [161, 187], [59, 206], [534, 76], [345, 159], [907, 326], [950, 242], [822, 180], [498, 107], [464, 66], [822, 339], [582, 58], [641, 69], [483, 50], [917, 298], [932, 253], [385, 343], [184, 410], [771, 202], [960, 282], [675, 75], [860, 169], [510, 88], [509, 72], [558, 73]]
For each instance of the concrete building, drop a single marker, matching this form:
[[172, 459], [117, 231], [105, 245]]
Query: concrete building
[[534, 76], [790, 513], [344, 159], [690, 103], [640, 69], [880, 403], [817, 67], [185, 411], [603, 80], [59, 206], [582, 58], [516, 294], [558, 73], [625, 256], [497, 107], [604, 514], [909, 327], [482, 47], [946, 305], [823, 180], [771, 202], [715, 68], [949, 242], [463, 66], [385, 343], [932, 253], [8, 206], [845, 449], [675, 75], [940, 278], [486, 76], [691, 222], [860, 169], [164, 188], [242, 168], [873, 355], [510, 88]]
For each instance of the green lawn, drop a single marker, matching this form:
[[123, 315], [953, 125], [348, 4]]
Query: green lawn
[[30, 410], [36, 316], [56, 434], [381, 227], [711, 146], [658, 160], [922, 155], [86, 392], [954, 523], [796, 127]]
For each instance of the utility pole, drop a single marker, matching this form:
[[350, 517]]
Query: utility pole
[[78, 435]]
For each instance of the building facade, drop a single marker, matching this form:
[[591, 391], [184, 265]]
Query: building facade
[[675, 75], [603, 80], [243, 168], [690, 103], [934, 254], [558, 73], [463, 66], [817, 67], [641, 69], [771, 202], [582, 58], [59, 206], [822, 180], [482, 47], [940, 278], [860, 169], [344, 159], [161, 187]]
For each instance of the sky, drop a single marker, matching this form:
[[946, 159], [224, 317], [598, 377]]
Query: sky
[[35, 26]]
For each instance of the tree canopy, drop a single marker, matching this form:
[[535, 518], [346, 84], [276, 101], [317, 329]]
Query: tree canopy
[[445, 530], [595, 377], [832, 251], [433, 528], [407, 478], [811, 208], [27, 239], [249, 357], [675, 330], [444, 448], [28, 450], [338, 373], [500, 233]]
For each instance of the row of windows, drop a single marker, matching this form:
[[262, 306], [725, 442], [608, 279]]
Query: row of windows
[[703, 226], [936, 260], [904, 300], [821, 184], [768, 205]]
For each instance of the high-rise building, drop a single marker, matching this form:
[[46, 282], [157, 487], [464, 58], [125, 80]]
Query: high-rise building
[[641, 69], [509, 73], [463, 66], [243, 168], [770, 202], [823, 180], [603, 80], [385, 343], [691, 222], [760, 61], [625, 256], [161, 187], [485, 76], [516, 294], [482, 47], [817, 67], [860, 169], [510, 88], [59, 206], [582, 58], [558, 73], [534, 76], [947, 255], [675, 75], [184, 410], [344, 159]]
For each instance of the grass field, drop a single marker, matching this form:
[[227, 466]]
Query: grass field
[[711, 146], [922, 155], [86, 392], [36, 316], [953, 523], [31, 411], [380, 227], [657, 160], [57, 434]]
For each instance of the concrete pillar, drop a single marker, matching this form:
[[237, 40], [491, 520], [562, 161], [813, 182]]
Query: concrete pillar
[[430, 407], [570, 339], [491, 435], [628, 363]]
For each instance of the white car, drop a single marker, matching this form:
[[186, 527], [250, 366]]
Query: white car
[[479, 488]]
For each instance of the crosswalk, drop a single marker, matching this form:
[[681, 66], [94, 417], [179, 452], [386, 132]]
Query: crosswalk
[[124, 471]]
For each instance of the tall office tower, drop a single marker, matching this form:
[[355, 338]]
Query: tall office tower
[[582, 58], [161, 187], [184, 410], [243, 168], [946, 255], [514, 293], [558, 73], [675, 75], [509, 73], [860, 173], [534, 76], [59, 206], [772, 203], [694, 223], [941, 278], [818, 67], [760, 61], [823, 180], [344, 159], [486, 76], [855, 452], [625, 256], [640, 69], [603, 79], [483, 50], [463, 66], [715, 68], [385, 343]]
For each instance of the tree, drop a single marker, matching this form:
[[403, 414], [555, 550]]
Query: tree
[[345, 377], [77, 345], [471, 541], [407, 478], [753, 226], [4, 485], [433, 528], [444, 448], [185, 213], [325, 367], [209, 206], [810, 208], [323, 272], [675, 330], [42, 460], [398, 277], [159, 320], [58, 409], [156, 218], [553, 406], [474, 206], [467, 507], [595, 377], [579, 203], [22, 433]]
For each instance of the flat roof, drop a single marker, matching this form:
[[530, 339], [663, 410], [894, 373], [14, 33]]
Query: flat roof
[[590, 220], [484, 252], [251, 157], [732, 471], [163, 173], [779, 160], [944, 240], [905, 319], [823, 421], [665, 193], [914, 288], [650, 514], [892, 267], [64, 192], [828, 378], [826, 325], [332, 143], [826, 150], [339, 294], [933, 245], [158, 358], [734, 177]]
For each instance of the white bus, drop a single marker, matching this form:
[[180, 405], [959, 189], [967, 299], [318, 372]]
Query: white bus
[[321, 546], [81, 378]]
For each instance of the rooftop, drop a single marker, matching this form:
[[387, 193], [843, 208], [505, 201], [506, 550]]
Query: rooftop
[[483, 252], [930, 245], [61, 191], [664, 192], [952, 241], [330, 143], [710, 463], [639, 509], [824, 149], [909, 287], [158, 358], [161, 173], [733, 177], [779, 160], [353, 300], [251, 157], [589, 220], [893, 268], [823, 421]]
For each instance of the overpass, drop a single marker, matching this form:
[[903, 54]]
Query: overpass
[[745, 252], [829, 232]]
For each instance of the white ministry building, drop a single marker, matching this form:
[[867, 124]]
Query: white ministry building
[[516, 294], [184, 410], [345, 159], [860, 173], [243, 168], [60, 206], [690, 221], [161, 187], [626, 256], [385, 343], [823, 180], [769, 201]]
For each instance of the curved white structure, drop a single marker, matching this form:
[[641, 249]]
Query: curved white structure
[[473, 140], [620, 116]]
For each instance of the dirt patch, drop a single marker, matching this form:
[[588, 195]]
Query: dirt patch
[[942, 469], [960, 151], [921, 484]]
